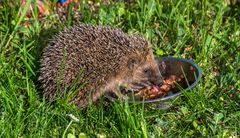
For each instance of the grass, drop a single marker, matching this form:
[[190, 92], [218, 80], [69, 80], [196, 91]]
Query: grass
[[207, 32]]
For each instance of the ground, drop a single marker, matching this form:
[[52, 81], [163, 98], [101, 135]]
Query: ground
[[207, 32]]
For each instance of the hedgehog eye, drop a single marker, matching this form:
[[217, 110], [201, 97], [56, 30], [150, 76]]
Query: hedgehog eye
[[147, 71], [131, 63]]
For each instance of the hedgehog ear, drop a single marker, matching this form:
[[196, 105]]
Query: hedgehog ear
[[132, 62]]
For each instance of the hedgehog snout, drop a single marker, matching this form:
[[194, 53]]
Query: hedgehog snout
[[156, 80], [153, 75]]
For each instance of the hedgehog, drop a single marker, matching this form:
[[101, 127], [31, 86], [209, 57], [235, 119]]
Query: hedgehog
[[97, 60]]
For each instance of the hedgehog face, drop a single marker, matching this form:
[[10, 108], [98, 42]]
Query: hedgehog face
[[144, 72]]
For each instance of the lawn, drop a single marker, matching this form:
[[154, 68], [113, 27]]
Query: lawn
[[207, 31]]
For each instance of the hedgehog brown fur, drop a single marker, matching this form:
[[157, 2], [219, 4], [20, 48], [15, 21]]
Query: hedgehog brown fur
[[108, 56]]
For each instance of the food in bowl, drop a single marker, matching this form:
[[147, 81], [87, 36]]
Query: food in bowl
[[154, 92]]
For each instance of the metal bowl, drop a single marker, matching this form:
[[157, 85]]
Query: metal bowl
[[172, 66]]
